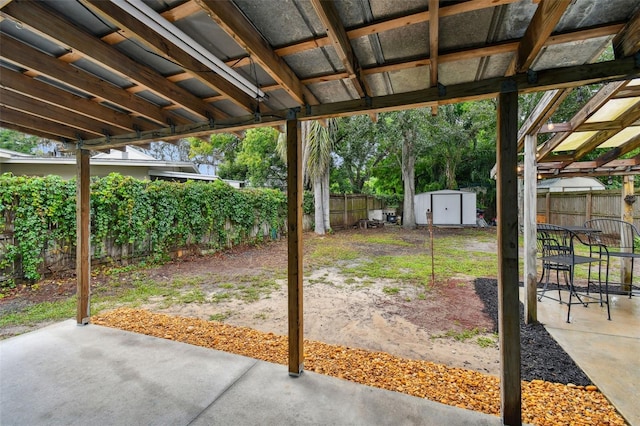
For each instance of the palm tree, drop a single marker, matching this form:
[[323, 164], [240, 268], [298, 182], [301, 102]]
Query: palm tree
[[317, 145]]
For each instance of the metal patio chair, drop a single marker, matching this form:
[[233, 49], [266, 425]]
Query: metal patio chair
[[619, 237], [557, 252]]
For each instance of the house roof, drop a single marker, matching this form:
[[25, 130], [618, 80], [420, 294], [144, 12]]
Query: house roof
[[108, 74]]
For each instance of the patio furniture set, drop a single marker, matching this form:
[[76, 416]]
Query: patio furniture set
[[595, 245]]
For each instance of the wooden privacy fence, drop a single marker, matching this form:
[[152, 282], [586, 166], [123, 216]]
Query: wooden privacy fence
[[575, 208], [347, 209]]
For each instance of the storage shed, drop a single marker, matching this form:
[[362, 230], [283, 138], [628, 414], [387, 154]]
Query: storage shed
[[449, 207]]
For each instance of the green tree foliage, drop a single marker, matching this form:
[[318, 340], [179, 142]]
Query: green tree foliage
[[16, 141], [147, 217], [253, 158], [358, 151]]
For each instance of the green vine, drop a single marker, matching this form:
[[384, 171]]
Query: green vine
[[146, 218]]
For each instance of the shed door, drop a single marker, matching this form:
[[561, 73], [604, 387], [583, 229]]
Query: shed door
[[447, 209]]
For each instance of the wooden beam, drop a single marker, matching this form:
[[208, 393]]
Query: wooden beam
[[627, 42], [181, 11], [542, 24], [25, 57], [234, 22], [434, 28], [530, 244], [138, 31], [508, 274], [83, 231], [613, 154], [294, 244], [329, 17], [623, 69], [50, 25]]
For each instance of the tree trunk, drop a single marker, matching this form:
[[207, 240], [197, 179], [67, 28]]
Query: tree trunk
[[326, 202], [408, 178], [318, 200]]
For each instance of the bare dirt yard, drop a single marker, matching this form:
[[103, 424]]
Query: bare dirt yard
[[379, 314], [347, 300]]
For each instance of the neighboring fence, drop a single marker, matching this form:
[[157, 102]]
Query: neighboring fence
[[575, 208], [345, 210]]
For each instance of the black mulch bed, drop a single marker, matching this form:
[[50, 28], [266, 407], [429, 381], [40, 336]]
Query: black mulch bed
[[541, 356]]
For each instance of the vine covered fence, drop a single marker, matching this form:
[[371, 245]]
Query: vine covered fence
[[129, 219]]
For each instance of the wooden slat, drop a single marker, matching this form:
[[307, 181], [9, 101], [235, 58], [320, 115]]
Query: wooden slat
[[294, 244], [83, 263], [508, 274], [234, 23], [434, 28], [542, 24], [612, 154], [329, 17], [181, 11]]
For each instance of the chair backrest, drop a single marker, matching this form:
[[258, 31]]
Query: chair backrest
[[553, 240], [617, 235]]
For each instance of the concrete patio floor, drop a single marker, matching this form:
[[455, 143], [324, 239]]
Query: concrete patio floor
[[607, 351], [66, 374]]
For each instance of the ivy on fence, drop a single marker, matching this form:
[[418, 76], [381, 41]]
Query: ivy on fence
[[153, 217]]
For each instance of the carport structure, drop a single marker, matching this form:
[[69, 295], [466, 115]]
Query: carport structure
[[105, 74]]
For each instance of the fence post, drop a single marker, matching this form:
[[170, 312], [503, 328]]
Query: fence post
[[346, 215], [588, 208]]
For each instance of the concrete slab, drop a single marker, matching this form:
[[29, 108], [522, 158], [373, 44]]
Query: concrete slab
[[71, 375], [67, 374], [266, 396], [607, 351]]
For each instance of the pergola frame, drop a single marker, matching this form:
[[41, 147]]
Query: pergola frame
[[33, 107]]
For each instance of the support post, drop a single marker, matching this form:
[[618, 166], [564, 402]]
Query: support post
[[530, 223], [294, 243], [627, 216], [508, 286], [83, 264]]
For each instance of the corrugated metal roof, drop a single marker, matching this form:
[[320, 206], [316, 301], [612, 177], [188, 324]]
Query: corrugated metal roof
[[299, 53]]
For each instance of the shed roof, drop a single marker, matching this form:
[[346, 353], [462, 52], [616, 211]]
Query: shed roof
[[121, 72]]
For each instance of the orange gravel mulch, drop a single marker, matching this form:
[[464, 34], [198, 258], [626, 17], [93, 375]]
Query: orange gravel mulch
[[543, 403]]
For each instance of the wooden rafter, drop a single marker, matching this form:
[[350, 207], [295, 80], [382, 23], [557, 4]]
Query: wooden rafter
[[48, 94], [42, 64], [329, 17], [135, 29], [234, 23], [545, 108], [434, 28], [581, 116], [542, 24], [627, 42], [38, 124], [51, 26]]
